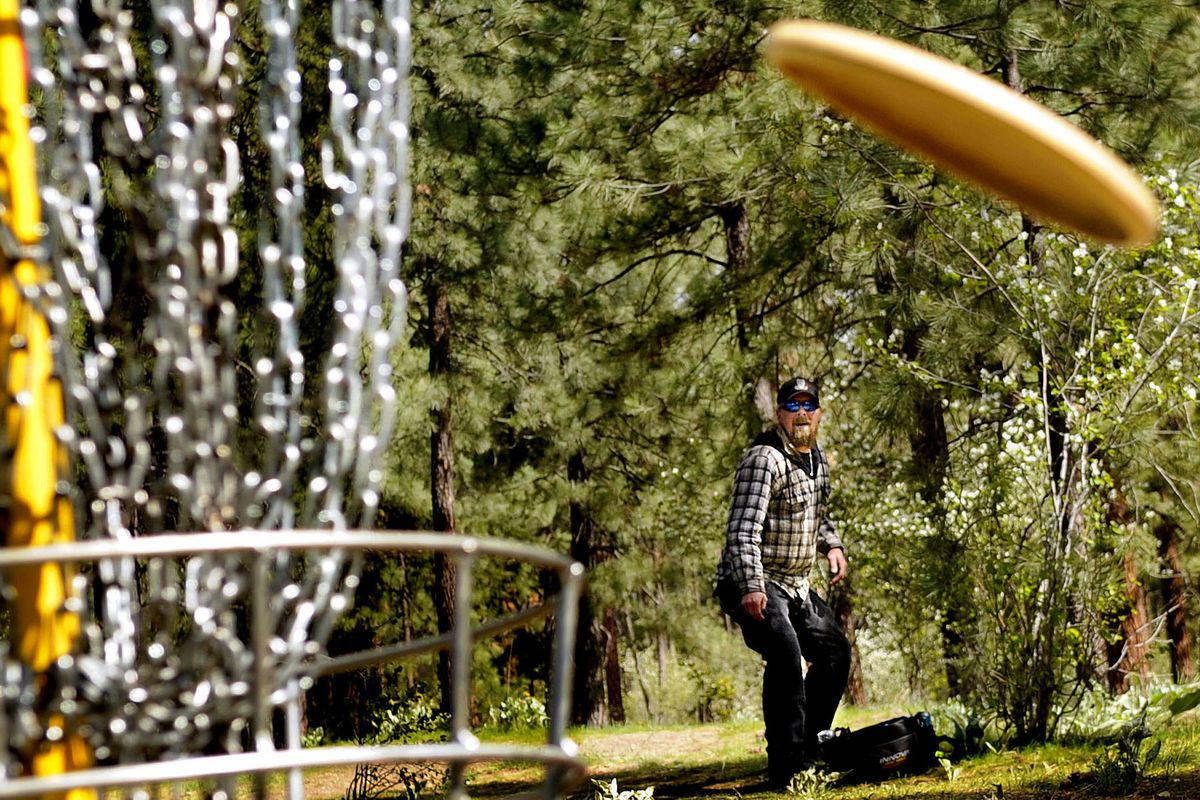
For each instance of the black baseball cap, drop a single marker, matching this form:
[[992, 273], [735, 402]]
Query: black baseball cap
[[797, 386]]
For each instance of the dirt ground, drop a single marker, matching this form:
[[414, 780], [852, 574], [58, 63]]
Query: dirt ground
[[608, 756], [607, 752]]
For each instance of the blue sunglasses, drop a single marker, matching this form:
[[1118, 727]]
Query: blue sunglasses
[[795, 405]]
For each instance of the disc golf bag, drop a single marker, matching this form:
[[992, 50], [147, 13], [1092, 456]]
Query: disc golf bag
[[898, 745]]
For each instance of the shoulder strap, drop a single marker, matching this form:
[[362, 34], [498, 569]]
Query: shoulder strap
[[771, 438]]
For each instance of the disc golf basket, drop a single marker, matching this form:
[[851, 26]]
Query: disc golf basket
[[188, 475]]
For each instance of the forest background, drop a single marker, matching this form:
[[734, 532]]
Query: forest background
[[627, 229]]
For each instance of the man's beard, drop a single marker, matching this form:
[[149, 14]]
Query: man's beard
[[803, 436]]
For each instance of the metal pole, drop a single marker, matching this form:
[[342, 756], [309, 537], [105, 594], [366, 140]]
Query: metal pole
[[464, 567], [261, 637], [560, 685]]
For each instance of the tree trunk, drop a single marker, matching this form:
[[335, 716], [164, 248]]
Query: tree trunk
[[1033, 706], [638, 671], [842, 598], [406, 615], [662, 645], [930, 447], [931, 450], [612, 668], [737, 258], [759, 404], [442, 475], [1126, 654], [587, 692], [1175, 601]]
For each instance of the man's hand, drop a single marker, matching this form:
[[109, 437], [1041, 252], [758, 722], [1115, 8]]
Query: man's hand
[[837, 566], [754, 604]]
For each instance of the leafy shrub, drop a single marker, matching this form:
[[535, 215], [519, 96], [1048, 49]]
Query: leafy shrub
[[407, 720], [1185, 698], [673, 689], [1124, 724], [1101, 716], [518, 714], [949, 771], [716, 698], [609, 791], [968, 731], [813, 784], [1123, 763], [315, 737]]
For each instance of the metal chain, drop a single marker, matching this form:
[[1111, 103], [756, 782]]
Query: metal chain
[[142, 113], [364, 163]]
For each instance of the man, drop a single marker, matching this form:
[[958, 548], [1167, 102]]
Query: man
[[777, 525]]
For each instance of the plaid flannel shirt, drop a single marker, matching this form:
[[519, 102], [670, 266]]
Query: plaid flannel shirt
[[777, 522]]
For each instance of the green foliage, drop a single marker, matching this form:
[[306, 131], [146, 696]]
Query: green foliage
[[996, 390], [410, 720], [1186, 702], [717, 699], [414, 719], [992, 386], [1125, 762], [391, 606], [814, 784], [525, 712], [1020, 524], [723, 679], [1099, 715], [608, 790], [964, 732], [314, 737]]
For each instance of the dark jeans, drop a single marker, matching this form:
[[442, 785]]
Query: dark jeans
[[795, 708]]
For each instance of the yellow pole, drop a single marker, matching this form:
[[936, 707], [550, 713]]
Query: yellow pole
[[37, 515]]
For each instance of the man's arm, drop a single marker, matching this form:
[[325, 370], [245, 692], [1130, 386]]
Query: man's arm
[[829, 544], [743, 532], [827, 536]]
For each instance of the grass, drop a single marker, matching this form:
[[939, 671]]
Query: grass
[[727, 761]]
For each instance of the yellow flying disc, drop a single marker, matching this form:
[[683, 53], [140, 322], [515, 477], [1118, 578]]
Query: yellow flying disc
[[970, 125]]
